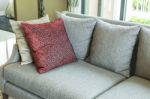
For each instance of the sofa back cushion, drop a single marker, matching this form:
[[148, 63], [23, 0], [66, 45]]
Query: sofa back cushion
[[49, 44], [79, 32], [143, 59], [112, 46]]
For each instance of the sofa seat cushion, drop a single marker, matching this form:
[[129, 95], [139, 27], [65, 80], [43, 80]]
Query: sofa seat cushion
[[78, 80], [133, 88]]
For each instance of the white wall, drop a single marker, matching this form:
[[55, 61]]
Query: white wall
[[3, 4]]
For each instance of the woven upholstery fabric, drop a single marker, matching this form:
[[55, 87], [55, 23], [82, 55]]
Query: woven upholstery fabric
[[21, 42], [112, 46], [79, 32], [2, 80], [78, 80], [133, 88], [18, 93], [5, 24], [49, 43], [13, 59], [143, 60]]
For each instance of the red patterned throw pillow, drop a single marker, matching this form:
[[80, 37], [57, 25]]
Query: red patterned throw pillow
[[49, 44]]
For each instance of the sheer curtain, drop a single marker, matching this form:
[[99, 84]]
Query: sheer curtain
[[3, 5], [74, 6], [41, 8], [9, 12]]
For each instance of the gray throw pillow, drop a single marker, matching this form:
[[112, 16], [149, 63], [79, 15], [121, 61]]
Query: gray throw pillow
[[112, 46], [79, 32], [143, 59]]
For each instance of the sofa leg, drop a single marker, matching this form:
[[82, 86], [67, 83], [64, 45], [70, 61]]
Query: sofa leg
[[5, 96]]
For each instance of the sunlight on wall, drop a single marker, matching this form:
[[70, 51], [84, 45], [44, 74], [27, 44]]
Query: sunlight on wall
[[51, 6], [27, 9]]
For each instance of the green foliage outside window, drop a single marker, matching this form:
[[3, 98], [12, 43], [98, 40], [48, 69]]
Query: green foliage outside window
[[140, 20], [141, 5]]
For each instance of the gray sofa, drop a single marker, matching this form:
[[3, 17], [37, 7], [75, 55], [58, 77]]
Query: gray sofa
[[79, 80]]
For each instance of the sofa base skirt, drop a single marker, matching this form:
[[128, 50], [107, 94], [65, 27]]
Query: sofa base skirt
[[18, 93]]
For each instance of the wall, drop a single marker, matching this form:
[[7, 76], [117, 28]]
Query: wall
[[28, 9], [51, 6]]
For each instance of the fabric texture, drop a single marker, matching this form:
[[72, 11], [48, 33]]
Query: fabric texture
[[50, 45], [79, 32], [13, 59], [7, 42], [2, 80], [115, 22], [125, 73], [5, 24], [133, 88], [18, 93], [112, 46], [21, 42], [143, 60], [78, 80]]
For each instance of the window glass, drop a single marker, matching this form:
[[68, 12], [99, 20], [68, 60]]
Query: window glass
[[90, 7], [93, 7], [138, 11], [127, 10], [110, 9]]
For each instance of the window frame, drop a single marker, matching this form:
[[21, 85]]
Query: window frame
[[83, 6], [123, 8]]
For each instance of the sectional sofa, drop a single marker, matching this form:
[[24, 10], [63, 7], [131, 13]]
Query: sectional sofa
[[83, 79]]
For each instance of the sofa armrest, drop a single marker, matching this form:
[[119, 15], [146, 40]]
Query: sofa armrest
[[2, 81], [14, 57]]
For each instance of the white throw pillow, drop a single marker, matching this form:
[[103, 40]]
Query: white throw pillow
[[79, 32], [143, 58], [22, 44], [112, 46]]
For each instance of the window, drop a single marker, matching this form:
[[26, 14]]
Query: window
[[105, 8], [138, 11], [127, 10], [90, 7]]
